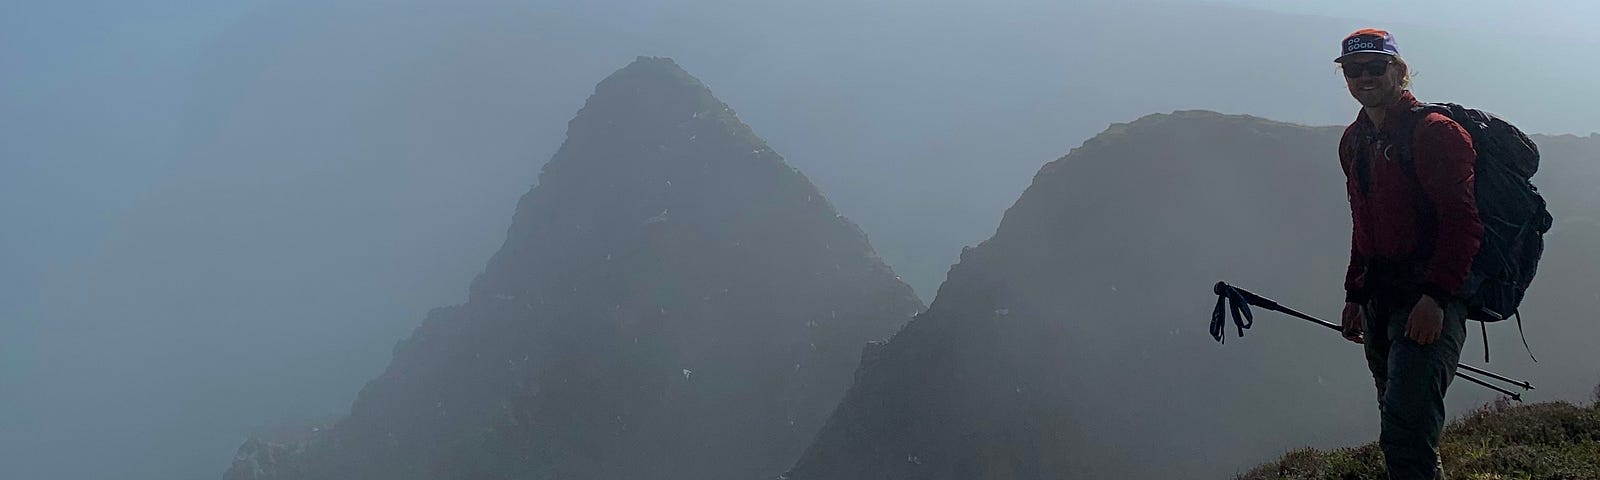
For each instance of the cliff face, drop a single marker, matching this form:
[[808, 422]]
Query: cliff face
[[672, 300], [1073, 343]]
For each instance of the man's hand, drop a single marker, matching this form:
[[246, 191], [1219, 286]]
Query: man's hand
[[1351, 319], [1426, 321]]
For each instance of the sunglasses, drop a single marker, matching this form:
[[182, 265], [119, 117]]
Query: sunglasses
[[1354, 69]]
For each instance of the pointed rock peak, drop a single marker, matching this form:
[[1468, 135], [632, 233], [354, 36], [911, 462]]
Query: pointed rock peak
[[650, 77], [660, 67], [652, 111], [672, 301]]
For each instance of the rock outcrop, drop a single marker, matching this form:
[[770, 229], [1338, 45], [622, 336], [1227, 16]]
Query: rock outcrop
[[1073, 343], [673, 300]]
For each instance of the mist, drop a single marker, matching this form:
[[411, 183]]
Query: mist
[[219, 218]]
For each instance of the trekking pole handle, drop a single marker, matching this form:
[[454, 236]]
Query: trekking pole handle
[[1222, 287]]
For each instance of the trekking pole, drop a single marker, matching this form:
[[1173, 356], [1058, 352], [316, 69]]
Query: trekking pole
[[1238, 300], [1508, 393], [1267, 303]]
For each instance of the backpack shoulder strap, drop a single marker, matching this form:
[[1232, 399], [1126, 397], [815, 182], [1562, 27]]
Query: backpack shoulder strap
[[1418, 114], [1402, 144], [1362, 167]]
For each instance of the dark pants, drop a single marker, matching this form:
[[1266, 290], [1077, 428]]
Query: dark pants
[[1411, 380]]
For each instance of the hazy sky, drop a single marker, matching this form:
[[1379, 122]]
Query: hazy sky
[[1572, 19], [98, 86], [181, 138], [91, 106]]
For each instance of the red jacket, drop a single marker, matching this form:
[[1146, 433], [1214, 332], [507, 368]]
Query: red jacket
[[1389, 229]]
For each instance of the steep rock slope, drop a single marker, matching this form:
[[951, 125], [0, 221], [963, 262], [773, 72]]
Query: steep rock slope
[[1073, 344], [672, 301]]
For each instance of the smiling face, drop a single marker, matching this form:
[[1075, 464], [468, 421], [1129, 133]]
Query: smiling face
[[1370, 88]]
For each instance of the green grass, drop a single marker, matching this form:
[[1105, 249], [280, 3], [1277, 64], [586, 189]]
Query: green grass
[[1499, 441]]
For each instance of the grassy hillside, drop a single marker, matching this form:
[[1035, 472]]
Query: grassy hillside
[[1553, 440]]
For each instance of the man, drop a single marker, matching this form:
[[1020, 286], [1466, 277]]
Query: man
[[1416, 230]]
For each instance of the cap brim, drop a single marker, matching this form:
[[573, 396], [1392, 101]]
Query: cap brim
[[1347, 55]]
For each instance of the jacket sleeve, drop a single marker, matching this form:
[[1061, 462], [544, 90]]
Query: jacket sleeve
[[1355, 273], [1355, 276], [1445, 163]]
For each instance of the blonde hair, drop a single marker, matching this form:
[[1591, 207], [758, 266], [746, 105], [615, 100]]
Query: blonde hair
[[1405, 78]]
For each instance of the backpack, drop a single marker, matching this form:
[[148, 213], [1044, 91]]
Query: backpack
[[1513, 213]]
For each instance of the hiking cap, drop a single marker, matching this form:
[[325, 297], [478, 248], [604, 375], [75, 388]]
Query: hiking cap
[[1368, 40]]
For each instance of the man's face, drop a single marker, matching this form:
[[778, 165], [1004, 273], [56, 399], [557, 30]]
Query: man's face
[[1369, 89]]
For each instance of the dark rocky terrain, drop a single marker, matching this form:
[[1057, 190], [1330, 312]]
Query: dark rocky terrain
[[1073, 343], [672, 300]]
